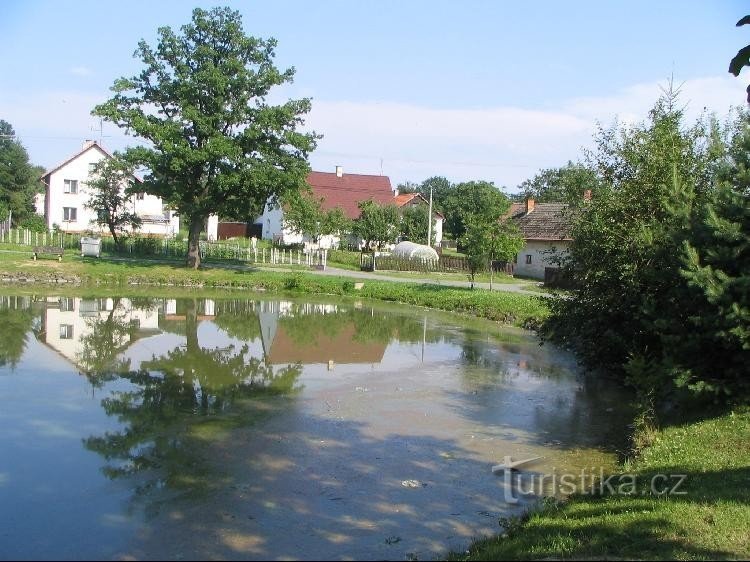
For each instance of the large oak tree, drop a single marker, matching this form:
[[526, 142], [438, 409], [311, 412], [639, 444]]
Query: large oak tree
[[215, 146]]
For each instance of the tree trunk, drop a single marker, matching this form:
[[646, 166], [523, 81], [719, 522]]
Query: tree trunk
[[116, 238], [193, 255]]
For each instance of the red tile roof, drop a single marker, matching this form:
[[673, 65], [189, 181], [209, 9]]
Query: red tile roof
[[404, 198], [348, 190], [341, 348], [409, 199]]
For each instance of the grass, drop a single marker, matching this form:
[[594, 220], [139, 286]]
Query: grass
[[710, 521], [498, 278], [510, 308]]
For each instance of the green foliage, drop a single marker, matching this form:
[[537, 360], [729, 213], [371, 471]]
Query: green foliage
[[377, 224], [716, 266], [16, 322], [19, 180], [469, 200], [659, 260], [111, 196], [304, 214], [215, 144], [742, 58], [560, 185], [33, 222], [415, 223], [488, 240]]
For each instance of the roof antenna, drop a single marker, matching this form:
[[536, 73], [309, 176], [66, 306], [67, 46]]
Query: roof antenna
[[99, 130], [381, 166]]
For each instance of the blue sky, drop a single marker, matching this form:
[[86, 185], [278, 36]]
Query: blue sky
[[469, 90]]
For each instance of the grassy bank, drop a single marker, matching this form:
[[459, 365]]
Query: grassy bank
[[711, 520], [516, 309]]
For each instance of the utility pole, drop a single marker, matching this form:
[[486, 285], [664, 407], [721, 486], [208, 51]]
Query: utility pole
[[429, 222]]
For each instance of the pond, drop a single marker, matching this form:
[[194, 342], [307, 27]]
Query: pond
[[259, 428]]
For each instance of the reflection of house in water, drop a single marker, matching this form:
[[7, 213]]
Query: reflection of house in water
[[67, 322], [175, 310], [282, 345]]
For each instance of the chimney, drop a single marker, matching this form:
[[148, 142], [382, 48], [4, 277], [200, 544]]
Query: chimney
[[339, 172], [88, 143], [529, 205]]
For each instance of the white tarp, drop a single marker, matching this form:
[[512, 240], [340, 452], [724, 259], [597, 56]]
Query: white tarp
[[410, 250]]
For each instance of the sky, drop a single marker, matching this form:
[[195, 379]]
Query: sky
[[469, 90]]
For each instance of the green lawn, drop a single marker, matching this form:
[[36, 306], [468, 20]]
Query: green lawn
[[517, 309], [710, 521]]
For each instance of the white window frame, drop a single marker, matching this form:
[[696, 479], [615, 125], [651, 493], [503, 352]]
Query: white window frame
[[66, 331], [70, 186], [67, 210]]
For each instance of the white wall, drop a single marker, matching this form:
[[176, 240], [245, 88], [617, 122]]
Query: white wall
[[79, 169], [438, 230], [212, 227], [540, 258], [85, 323]]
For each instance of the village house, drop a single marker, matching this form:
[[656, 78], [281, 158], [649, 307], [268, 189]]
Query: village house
[[64, 201], [345, 191], [546, 230]]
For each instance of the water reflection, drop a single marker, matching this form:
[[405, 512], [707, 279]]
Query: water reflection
[[17, 319], [256, 416]]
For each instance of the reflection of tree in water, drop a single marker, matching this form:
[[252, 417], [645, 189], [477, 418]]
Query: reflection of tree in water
[[103, 342], [16, 319], [238, 319], [177, 402]]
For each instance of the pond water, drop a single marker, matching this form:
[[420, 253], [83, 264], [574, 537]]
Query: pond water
[[253, 428]]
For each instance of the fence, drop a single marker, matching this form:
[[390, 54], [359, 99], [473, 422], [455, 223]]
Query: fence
[[169, 247], [445, 264], [266, 256]]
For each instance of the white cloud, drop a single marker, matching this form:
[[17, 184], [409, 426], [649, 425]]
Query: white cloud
[[503, 144]]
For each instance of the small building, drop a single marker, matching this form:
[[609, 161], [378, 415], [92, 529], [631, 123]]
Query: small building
[[345, 191], [546, 228], [337, 189], [66, 196]]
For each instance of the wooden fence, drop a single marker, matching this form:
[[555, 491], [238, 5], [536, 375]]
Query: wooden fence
[[445, 264]]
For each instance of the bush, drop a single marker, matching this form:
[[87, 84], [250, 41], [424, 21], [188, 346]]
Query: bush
[[35, 223]]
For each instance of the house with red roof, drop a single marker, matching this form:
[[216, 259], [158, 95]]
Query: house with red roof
[[345, 191]]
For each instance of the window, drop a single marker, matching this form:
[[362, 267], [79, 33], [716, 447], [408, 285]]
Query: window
[[67, 304], [70, 214], [92, 168], [66, 331], [139, 196], [70, 186], [528, 259]]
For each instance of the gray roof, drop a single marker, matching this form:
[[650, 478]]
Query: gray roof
[[546, 221]]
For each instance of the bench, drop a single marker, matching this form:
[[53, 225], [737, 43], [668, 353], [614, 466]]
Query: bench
[[48, 251]]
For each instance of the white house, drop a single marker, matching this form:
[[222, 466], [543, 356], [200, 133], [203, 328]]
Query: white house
[[546, 228], [66, 196], [344, 191], [67, 322]]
